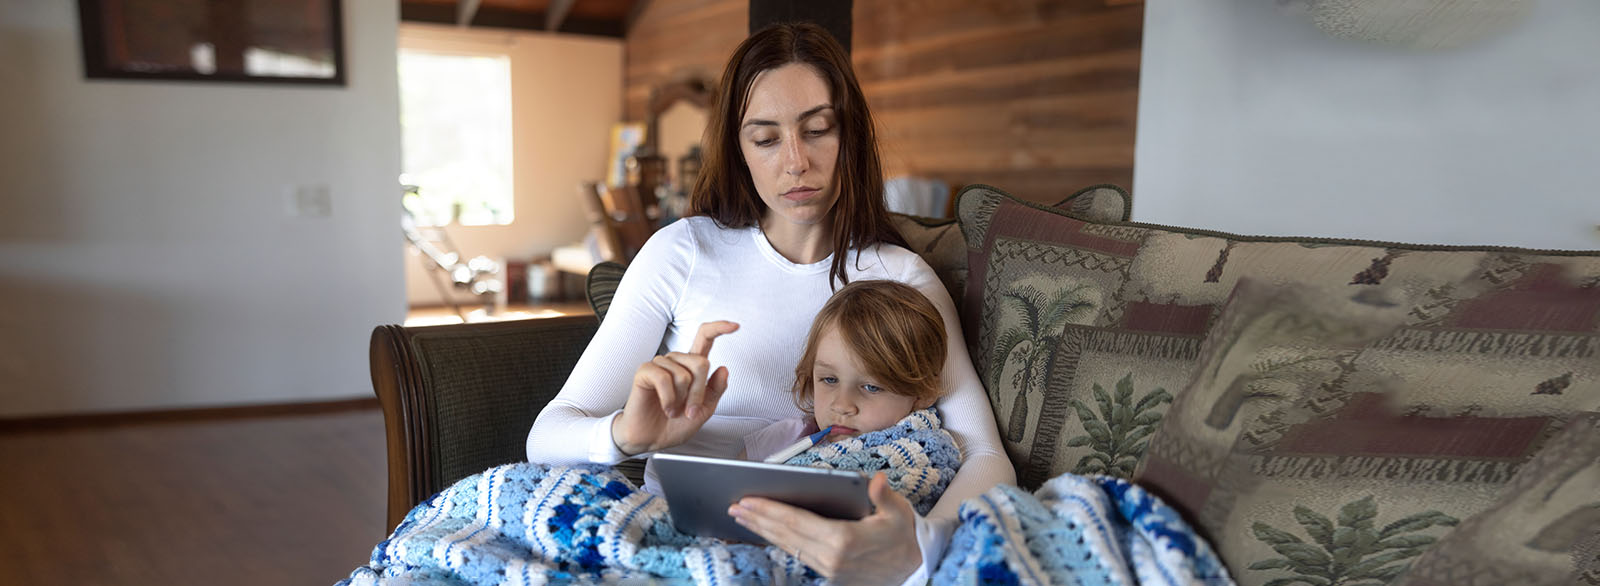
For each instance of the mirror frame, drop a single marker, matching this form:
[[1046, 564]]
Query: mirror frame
[[695, 90]]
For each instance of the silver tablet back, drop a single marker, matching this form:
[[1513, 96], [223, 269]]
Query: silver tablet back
[[699, 491]]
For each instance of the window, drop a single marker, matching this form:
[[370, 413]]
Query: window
[[455, 134]]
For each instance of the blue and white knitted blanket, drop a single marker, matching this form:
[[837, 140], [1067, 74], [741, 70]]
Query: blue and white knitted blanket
[[535, 524], [1088, 530]]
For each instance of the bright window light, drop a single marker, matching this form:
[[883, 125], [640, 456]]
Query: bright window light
[[455, 125]]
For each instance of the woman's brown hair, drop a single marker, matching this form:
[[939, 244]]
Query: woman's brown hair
[[725, 191], [893, 330]]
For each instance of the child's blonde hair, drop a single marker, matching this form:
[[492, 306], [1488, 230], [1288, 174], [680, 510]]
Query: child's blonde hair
[[893, 330]]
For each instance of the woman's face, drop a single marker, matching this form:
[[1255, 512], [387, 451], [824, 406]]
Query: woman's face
[[790, 140]]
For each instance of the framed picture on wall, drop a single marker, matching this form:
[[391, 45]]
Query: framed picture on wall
[[626, 138], [276, 41]]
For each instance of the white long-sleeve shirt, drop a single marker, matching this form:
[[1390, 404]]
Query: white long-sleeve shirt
[[694, 271]]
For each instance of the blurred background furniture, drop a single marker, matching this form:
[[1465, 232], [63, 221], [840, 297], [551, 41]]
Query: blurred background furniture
[[618, 226], [655, 187], [676, 120], [480, 275]]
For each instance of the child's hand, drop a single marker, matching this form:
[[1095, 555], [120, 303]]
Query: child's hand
[[672, 396]]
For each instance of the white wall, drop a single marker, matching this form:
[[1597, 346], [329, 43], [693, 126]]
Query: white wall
[[1251, 120], [566, 92], [146, 257]]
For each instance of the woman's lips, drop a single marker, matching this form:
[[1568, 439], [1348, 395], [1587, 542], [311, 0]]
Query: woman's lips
[[799, 194]]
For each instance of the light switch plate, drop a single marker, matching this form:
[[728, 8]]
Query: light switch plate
[[309, 201]]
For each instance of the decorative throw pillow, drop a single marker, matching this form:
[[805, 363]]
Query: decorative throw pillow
[[1269, 348], [1033, 271], [1086, 399], [1350, 478], [1544, 530]]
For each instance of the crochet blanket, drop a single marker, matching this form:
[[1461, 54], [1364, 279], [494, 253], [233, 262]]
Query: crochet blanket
[[534, 524], [1093, 531]]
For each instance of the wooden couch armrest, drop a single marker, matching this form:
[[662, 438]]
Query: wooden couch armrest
[[459, 399]]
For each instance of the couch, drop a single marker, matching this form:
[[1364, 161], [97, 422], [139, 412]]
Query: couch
[[1326, 411]]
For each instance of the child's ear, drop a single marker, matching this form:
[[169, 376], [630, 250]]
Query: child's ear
[[924, 403]]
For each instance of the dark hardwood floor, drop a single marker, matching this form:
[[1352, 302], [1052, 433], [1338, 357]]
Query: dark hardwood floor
[[287, 499]]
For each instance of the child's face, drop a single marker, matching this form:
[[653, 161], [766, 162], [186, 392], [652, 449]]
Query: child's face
[[846, 396]]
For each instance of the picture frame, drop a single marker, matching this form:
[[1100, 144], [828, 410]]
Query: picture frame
[[626, 139], [282, 41]]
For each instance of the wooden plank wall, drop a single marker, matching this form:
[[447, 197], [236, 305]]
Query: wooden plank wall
[[677, 39], [1037, 97]]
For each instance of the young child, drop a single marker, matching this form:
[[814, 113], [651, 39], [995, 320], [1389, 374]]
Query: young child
[[868, 377], [873, 357]]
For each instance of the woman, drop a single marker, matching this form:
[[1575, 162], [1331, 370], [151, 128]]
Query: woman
[[788, 206]]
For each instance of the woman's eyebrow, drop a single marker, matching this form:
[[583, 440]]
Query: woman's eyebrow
[[803, 115], [812, 112]]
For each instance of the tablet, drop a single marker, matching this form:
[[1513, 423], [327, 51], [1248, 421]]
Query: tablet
[[700, 490]]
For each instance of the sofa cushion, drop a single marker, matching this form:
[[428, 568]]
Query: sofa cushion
[[1034, 271], [1270, 346], [1387, 435], [1544, 528]]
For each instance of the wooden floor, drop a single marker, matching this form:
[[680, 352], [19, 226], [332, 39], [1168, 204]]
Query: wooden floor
[[275, 500], [272, 499]]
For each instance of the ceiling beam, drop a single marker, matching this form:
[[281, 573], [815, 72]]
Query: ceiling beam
[[465, 11], [633, 14], [833, 15], [556, 14]]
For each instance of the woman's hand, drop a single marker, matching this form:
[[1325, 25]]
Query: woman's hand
[[881, 548], [672, 396]]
